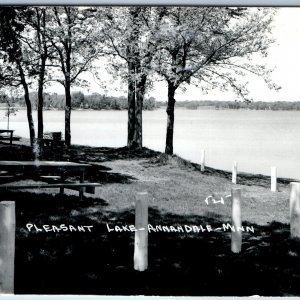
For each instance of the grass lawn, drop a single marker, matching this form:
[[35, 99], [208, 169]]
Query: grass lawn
[[180, 263]]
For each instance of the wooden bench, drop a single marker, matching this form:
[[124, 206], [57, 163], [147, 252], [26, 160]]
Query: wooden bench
[[8, 135], [88, 187], [6, 176], [8, 138]]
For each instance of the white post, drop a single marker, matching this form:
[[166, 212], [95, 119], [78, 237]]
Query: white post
[[295, 209], [7, 246], [141, 235], [202, 161], [234, 172], [236, 234], [273, 179]]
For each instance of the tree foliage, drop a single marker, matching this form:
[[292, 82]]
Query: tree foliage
[[130, 37], [211, 47], [16, 68], [74, 37]]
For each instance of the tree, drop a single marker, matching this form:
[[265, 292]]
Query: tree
[[16, 64], [38, 45], [203, 44], [129, 33], [78, 99], [74, 37], [11, 110]]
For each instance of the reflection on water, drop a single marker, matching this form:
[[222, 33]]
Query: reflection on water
[[257, 140]]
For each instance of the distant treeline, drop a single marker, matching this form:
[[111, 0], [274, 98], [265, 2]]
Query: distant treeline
[[257, 105], [81, 101], [97, 101]]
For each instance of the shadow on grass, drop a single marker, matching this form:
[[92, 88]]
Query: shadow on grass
[[101, 262], [79, 153], [102, 174], [96, 173], [101, 154], [87, 154], [15, 152]]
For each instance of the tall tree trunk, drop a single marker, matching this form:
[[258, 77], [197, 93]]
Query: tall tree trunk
[[29, 116], [68, 108], [170, 120], [67, 73], [41, 99], [140, 92], [41, 19], [131, 54], [131, 107], [28, 105]]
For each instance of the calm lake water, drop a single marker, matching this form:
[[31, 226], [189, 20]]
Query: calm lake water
[[257, 140]]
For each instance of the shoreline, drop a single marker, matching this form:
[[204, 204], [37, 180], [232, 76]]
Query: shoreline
[[160, 158], [163, 108], [173, 184]]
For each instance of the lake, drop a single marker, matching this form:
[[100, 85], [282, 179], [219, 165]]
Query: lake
[[257, 140]]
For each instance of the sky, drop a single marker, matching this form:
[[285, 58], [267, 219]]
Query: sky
[[284, 55]]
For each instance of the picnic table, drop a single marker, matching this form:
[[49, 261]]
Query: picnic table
[[42, 170], [51, 140], [10, 135], [48, 142]]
